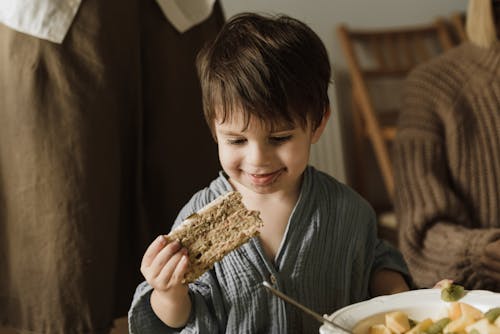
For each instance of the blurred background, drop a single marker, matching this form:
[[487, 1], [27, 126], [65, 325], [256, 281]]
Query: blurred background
[[323, 16], [336, 151]]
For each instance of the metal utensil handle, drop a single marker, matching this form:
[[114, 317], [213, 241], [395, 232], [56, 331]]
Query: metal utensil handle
[[307, 310]]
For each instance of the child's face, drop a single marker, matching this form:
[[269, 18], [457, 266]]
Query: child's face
[[262, 161]]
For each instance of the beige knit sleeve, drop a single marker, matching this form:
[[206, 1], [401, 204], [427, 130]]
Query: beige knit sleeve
[[436, 234]]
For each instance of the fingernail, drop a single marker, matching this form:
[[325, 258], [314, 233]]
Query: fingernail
[[161, 240], [184, 251]]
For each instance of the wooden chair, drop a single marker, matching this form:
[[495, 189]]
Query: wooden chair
[[458, 23], [381, 55]]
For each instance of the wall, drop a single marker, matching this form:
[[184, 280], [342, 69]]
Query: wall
[[323, 16]]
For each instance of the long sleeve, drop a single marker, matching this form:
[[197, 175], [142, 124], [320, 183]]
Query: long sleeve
[[447, 167], [207, 313], [378, 254]]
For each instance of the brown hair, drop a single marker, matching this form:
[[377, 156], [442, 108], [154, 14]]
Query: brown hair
[[480, 25], [273, 68]]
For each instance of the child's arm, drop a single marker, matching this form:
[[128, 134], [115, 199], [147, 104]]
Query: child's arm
[[164, 266], [172, 310], [386, 282]]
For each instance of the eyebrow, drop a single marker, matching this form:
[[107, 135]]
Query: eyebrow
[[229, 133], [284, 128], [281, 129]]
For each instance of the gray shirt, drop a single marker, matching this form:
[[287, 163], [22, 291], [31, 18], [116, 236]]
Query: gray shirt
[[327, 255]]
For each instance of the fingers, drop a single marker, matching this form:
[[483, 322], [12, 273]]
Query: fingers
[[164, 256], [181, 269], [153, 249], [164, 264], [174, 271], [444, 283]]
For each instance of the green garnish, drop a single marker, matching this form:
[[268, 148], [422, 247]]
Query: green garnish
[[452, 292], [492, 314], [438, 326]]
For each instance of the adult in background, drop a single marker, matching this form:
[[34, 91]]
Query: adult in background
[[447, 161], [100, 111]]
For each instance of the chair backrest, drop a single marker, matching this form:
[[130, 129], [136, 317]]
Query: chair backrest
[[458, 22], [378, 55]]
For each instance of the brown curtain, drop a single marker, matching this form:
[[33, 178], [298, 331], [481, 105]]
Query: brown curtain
[[102, 140]]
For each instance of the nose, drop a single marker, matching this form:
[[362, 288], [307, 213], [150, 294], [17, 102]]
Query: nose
[[258, 155]]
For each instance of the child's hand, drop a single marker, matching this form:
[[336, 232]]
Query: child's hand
[[164, 266]]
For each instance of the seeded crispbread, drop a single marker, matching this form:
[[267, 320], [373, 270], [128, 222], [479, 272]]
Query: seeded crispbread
[[215, 230]]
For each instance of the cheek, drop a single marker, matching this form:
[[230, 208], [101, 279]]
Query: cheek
[[227, 156], [296, 156]]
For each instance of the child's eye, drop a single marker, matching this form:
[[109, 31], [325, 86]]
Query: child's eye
[[280, 139], [238, 141]]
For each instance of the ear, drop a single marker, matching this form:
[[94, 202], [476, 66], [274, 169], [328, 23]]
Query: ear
[[316, 134]]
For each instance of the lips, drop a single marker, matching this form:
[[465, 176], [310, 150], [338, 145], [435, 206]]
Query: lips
[[265, 179]]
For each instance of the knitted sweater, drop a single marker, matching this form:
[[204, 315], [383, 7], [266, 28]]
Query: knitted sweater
[[447, 166]]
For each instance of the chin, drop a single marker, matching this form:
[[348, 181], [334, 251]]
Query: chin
[[262, 190]]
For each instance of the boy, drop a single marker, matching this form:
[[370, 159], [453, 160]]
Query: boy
[[265, 83]]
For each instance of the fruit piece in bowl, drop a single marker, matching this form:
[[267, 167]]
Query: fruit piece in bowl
[[426, 312]]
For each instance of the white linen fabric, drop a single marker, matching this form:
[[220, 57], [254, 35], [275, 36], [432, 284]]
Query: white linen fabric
[[47, 19], [184, 14], [51, 19]]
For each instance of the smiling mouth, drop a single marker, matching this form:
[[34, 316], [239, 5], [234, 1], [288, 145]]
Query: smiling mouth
[[265, 179]]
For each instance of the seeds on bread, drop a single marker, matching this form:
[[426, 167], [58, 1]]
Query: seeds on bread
[[215, 230]]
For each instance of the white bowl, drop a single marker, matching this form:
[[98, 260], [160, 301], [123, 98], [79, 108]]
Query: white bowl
[[418, 304]]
